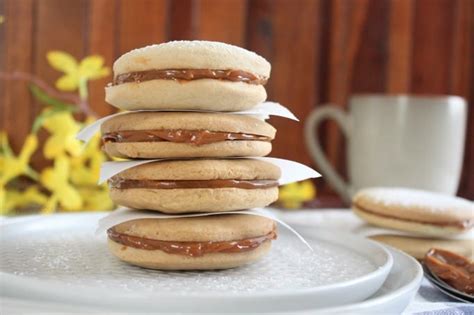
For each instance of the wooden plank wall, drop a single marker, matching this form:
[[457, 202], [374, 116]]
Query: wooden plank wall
[[321, 51]]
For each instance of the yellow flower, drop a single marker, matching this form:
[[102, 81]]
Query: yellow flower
[[2, 19], [11, 166], [63, 129], [3, 201], [295, 194], [85, 167], [19, 199], [96, 198], [56, 180], [89, 68]]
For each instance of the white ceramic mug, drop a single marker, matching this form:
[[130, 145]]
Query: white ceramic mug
[[398, 140]]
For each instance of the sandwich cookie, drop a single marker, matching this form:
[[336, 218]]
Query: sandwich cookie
[[199, 243], [414, 210], [185, 134], [200, 75], [419, 246], [201, 185]]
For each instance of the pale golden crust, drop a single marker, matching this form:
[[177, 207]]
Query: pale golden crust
[[189, 121], [151, 150], [175, 201], [418, 247], [156, 259], [410, 226], [203, 169], [216, 228], [205, 94], [192, 55], [410, 204]]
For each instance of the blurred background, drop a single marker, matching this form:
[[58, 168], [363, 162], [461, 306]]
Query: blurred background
[[321, 51]]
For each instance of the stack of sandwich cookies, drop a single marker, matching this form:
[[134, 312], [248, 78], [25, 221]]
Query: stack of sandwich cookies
[[424, 219], [208, 165]]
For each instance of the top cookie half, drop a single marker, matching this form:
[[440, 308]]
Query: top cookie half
[[199, 75], [413, 210]]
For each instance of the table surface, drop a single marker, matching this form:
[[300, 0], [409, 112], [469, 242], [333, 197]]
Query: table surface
[[428, 300]]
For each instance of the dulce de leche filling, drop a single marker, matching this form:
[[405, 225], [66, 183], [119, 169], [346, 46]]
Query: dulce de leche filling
[[454, 269], [121, 183], [188, 75], [466, 224], [193, 249], [195, 137]]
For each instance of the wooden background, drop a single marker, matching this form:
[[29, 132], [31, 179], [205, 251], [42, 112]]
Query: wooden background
[[321, 51]]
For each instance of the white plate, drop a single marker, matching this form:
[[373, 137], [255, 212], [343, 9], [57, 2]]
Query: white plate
[[58, 259], [393, 297]]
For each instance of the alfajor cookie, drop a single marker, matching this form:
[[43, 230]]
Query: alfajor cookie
[[185, 134], [200, 185], [200, 75], [414, 210], [419, 246], [199, 243]]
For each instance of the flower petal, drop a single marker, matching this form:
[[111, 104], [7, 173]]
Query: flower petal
[[70, 199], [67, 82], [61, 169], [73, 146], [33, 195], [54, 146], [308, 191], [29, 147], [91, 67], [62, 61], [50, 206], [96, 199], [3, 208], [16, 199], [103, 72], [47, 178], [11, 168], [82, 176]]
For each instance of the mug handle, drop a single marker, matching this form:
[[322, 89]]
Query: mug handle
[[327, 111]]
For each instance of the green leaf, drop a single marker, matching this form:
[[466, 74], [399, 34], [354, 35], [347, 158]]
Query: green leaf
[[44, 98]]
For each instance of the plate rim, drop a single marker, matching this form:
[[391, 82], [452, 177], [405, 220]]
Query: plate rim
[[26, 286], [377, 272], [406, 288], [371, 302]]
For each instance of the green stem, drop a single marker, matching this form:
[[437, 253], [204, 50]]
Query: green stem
[[83, 92], [84, 96]]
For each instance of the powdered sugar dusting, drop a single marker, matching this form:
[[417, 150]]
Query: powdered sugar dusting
[[197, 44], [195, 52], [68, 252], [412, 198]]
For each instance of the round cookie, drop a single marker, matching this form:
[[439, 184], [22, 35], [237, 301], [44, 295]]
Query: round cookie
[[202, 185], [413, 210], [185, 134], [199, 243], [418, 246], [200, 75]]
